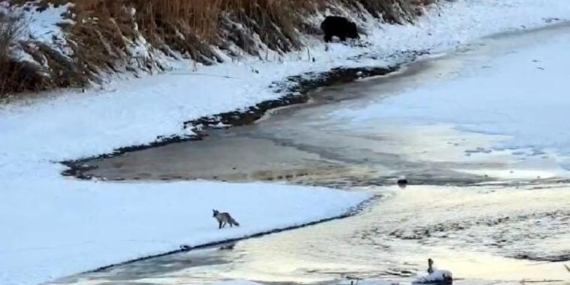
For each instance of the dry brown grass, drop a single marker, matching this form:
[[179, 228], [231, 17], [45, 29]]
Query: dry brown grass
[[189, 27], [10, 28], [15, 76], [106, 30]]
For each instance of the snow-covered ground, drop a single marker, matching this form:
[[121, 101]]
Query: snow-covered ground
[[56, 227], [53, 226]]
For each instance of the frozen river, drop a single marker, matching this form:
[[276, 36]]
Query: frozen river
[[480, 134]]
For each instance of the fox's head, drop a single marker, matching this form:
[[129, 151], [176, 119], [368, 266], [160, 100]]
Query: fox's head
[[215, 213]]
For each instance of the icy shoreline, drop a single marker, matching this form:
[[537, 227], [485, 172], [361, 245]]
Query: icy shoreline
[[296, 92]]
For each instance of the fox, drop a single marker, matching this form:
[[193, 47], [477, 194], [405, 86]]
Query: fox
[[224, 218]]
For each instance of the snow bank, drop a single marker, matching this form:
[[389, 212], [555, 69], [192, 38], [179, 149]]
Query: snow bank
[[56, 227], [53, 226], [44, 26], [437, 276], [41, 25], [463, 21]]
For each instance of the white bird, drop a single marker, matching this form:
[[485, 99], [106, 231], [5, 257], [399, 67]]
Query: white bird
[[435, 276]]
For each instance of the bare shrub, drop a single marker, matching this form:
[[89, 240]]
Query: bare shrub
[[108, 34], [10, 30], [106, 27]]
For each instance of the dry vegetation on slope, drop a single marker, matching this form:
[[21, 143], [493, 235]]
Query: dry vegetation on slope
[[109, 36]]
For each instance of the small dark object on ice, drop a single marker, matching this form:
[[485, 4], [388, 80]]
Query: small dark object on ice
[[402, 181], [185, 247], [340, 27]]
